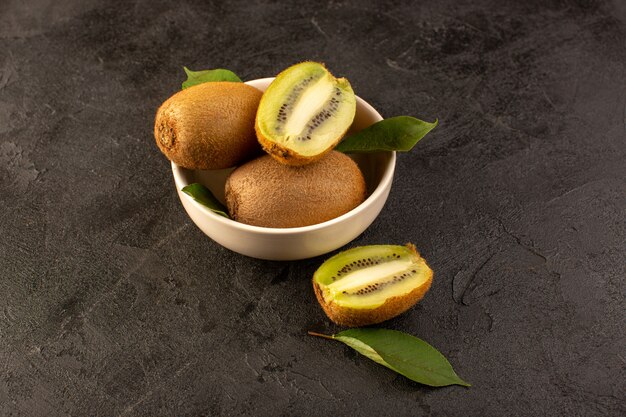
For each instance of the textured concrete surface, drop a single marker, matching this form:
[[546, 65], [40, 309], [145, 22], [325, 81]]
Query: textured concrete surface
[[113, 303]]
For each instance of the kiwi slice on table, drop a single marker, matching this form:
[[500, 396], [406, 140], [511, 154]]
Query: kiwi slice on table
[[371, 284], [304, 113]]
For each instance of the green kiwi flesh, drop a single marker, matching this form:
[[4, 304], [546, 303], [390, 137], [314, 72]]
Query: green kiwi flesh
[[370, 284], [304, 113]]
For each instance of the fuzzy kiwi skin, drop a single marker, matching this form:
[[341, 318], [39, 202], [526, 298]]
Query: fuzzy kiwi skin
[[209, 125], [266, 193], [289, 156], [394, 306]]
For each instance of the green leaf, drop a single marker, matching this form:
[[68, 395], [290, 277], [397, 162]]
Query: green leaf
[[203, 196], [402, 353], [207, 76], [394, 134]]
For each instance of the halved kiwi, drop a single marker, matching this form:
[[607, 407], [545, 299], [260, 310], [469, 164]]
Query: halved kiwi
[[370, 284], [304, 113]]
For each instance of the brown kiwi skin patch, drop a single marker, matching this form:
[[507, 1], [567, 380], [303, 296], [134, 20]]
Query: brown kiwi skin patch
[[267, 193], [209, 126]]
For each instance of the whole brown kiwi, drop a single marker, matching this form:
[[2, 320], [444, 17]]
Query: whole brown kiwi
[[209, 125], [267, 193]]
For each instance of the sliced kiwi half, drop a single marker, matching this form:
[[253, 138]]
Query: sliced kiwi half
[[371, 284], [304, 113]]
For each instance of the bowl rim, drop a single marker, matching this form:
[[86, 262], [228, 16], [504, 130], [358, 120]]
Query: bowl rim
[[384, 183]]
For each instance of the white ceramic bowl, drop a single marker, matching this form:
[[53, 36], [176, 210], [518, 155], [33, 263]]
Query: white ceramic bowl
[[297, 242]]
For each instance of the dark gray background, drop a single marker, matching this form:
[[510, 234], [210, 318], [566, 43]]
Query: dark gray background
[[113, 303]]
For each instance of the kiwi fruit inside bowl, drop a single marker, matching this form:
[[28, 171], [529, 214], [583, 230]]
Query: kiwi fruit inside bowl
[[267, 193], [304, 113], [295, 242], [209, 126]]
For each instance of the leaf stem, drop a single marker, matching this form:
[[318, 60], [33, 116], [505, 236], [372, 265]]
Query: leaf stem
[[325, 336]]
